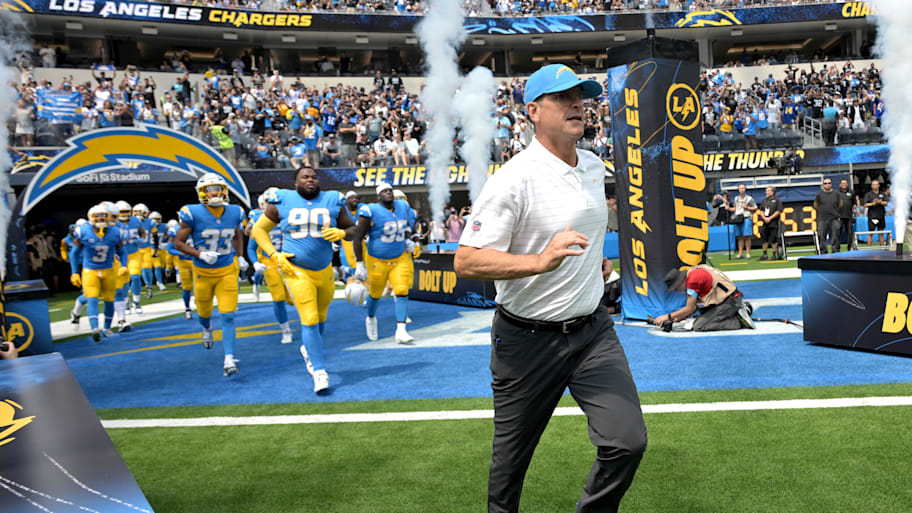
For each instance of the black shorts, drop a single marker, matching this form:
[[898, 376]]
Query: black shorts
[[880, 225], [770, 232]]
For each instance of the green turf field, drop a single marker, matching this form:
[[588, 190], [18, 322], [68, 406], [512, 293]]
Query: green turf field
[[812, 460]]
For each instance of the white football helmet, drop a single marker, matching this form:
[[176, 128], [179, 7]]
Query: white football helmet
[[112, 211], [261, 201], [140, 210], [155, 216], [98, 216], [124, 211], [173, 223], [81, 221], [209, 183]]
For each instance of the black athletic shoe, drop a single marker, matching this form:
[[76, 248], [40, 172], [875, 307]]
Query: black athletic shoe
[[763, 257]]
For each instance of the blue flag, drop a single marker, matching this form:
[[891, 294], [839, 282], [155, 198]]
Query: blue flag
[[59, 106]]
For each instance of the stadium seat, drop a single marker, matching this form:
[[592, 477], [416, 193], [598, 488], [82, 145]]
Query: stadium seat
[[845, 136], [795, 139], [782, 138], [766, 140], [710, 143], [737, 141], [875, 136], [725, 142]]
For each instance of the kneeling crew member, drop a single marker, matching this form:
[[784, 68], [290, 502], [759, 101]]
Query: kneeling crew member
[[723, 304]]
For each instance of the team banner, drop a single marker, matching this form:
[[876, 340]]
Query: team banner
[[59, 106], [436, 281], [858, 300], [54, 453], [27, 322], [662, 215], [244, 19]]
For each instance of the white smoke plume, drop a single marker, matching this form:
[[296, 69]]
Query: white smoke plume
[[473, 105], [894, 19], [13, 39], [441, 33]]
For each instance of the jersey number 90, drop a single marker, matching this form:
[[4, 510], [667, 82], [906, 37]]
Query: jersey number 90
[[304, 222]]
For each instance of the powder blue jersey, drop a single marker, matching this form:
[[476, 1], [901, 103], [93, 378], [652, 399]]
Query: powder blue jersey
[[302, 222], [275, 235], [213, 233], [98, 252], [148, 225], [130, 234], [354, 215], [172, 234], [388, 228]]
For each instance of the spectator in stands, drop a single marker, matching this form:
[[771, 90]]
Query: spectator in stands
[[612, 214], [263, 154], [828, 204], [749, 122], [312, 137], [789, 113], [455, 223], [383, 151], [25, 123], [364, 151], [298, 152], [331, 151]]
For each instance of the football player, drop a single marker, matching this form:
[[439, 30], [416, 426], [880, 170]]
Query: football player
[[133, 233], [159, 241], [66, 250], [94, 248], [252, 218], [184, 265], [352, 204], [265, 268], [145, 244], [310, 220], [215, 226], [389, 224]]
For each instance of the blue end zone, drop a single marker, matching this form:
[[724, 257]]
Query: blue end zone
[[187, 374]]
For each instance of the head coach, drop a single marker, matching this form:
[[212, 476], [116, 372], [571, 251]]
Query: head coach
[[537, 229]]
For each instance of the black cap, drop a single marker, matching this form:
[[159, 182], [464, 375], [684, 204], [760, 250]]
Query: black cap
[[674, 278]]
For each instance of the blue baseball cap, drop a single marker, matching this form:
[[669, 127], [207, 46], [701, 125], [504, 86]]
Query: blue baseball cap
[[555, 78]]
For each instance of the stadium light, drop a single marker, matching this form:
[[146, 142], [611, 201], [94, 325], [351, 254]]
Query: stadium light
[[737, 32], [361, 40], [73, 25], [288, 38], [477, 41], [830, 27], [537, 41], [411, 40], [150, 31], [231, 36], [620, 38]]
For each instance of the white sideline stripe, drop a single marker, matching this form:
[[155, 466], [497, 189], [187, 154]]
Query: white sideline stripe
[[341, 418]]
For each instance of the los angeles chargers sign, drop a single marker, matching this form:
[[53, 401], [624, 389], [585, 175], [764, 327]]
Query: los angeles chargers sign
[[108, 149]]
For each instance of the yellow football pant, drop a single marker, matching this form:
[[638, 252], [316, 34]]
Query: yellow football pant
[[134, 263], [397, 271], [276, 284], [221, 283], [311, 292], [146, 254], [100, 283], [185, 269]]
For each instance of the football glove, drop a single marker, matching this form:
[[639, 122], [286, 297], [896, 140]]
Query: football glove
[[361, 272], [76, 280], [259, 267], [242, 263], [123, 272], [281, 260], [333, 234], [208, 256], [413, 248]]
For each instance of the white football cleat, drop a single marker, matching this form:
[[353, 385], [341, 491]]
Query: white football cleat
[[231, 366], [310, 367], [402, 336], [207, 338], [137, 308], [161, 286], [287, 336], [256, 298], [123, 326], [321, 381], [371, 324], [74, 319], [188, 315]]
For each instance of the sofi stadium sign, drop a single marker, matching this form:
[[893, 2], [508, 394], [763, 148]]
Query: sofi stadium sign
[[240, 18]]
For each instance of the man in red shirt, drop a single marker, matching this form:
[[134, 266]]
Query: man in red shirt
[[721, 304]]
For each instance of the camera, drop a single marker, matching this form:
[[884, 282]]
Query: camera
[[4, 346], [666, 326]]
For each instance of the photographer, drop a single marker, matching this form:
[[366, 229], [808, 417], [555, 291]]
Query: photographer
[[742, 209], [454, 223], [723, 306]]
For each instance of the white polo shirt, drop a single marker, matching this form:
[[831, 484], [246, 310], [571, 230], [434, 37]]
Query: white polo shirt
[[522, 206]]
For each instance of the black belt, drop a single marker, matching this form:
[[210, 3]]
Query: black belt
[[567, 326]]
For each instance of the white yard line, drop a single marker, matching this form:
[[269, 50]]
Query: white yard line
[[340, 418]]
